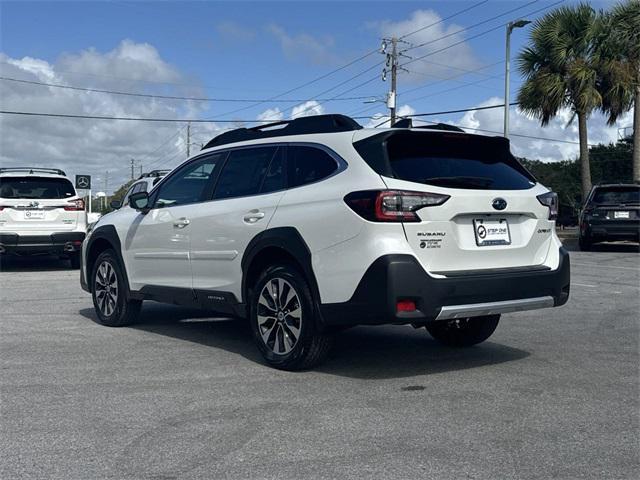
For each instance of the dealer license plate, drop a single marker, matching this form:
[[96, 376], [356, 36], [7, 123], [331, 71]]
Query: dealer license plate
[[491, 232], [620, 214]]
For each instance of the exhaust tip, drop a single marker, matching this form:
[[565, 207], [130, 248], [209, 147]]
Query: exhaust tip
[[68, 247]]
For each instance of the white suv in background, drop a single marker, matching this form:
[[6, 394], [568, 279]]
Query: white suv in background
[[144, 183], [313, 225], [40, 213]]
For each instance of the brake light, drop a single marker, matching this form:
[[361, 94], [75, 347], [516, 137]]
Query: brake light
[[75, 205], [550, 199], [392, 205]]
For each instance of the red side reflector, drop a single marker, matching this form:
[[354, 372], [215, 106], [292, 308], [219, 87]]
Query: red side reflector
[[406, 306]]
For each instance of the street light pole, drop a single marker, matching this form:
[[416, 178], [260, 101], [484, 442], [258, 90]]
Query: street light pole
[[510, 27]]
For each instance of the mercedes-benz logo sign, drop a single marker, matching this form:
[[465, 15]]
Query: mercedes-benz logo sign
[[499, 203], [482, 231], [83, 182]]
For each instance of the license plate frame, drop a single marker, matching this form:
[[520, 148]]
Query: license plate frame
[[34, 214], [486, 237], [624, 214]]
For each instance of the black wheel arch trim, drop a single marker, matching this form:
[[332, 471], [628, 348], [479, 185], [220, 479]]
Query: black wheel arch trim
[[287, 239], [110, 235]]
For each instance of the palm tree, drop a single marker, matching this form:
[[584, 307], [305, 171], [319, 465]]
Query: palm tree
[[560, 71], [618, 51]]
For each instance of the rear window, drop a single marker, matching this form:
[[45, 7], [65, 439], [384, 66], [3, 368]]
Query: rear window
[[449, 160], [617, 195], [36, 188]]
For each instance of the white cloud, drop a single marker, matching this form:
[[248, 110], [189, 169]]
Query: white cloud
[[96, 146], [304, 46], [558, 129], [378, 118], [445, 64], [270, 115], [307, 109]]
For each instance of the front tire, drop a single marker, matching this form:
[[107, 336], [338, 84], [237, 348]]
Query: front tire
[[284, 320], [109, 292], [463, 332]]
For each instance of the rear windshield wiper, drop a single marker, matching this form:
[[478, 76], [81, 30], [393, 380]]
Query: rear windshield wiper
[[482, 182]]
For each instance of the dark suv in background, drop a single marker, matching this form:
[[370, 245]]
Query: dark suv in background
[[611, 212]]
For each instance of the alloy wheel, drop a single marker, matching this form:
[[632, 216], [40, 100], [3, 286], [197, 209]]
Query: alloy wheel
[[279, 313], [106, 288]]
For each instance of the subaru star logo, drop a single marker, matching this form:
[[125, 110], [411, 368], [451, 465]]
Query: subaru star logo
[[499, 203]]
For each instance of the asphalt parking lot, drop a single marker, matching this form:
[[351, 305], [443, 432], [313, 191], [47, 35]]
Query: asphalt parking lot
[[553, 394]]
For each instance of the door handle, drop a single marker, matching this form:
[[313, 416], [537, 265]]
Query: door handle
[[181, 223], [253, 216]]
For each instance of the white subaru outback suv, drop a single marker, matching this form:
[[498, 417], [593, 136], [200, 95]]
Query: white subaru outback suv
[[40, 213], [313, 225]]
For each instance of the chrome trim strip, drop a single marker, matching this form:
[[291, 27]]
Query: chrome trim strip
[[493, 308]]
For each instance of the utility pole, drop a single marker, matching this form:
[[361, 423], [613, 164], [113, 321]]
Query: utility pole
[[140, 169], [392, 65], [132, 165], [391, 102], [188, 139], [106, 186], [507, 69]]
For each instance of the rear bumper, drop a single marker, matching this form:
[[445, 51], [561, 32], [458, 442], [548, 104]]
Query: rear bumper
[[400, 277], [57, 242], [613, 230]]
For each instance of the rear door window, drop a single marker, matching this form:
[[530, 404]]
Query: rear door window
[[452, 160], [244, 172], [309, 165], [36, 188]]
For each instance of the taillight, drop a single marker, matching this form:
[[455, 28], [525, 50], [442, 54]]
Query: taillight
[[550, 199], [75, 205], [392, 205]]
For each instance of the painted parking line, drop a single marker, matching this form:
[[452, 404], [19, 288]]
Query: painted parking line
[[583, 285]]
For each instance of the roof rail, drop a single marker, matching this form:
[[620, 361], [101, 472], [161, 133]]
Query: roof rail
[[154, 173], [299, 126], [57, 171], [408, 123]]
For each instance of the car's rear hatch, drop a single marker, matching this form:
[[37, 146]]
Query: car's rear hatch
[[615, 205], [492, 218], [38, 204]]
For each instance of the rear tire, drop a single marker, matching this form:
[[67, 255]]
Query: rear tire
[[585, 243], [284, 320], [463, 332], [74, 260], [110, 294]]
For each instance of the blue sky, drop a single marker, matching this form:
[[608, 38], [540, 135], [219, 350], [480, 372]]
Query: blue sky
[[261, 49]]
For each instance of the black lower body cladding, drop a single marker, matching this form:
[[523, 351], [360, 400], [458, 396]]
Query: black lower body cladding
[[400, 277], [57, 243]]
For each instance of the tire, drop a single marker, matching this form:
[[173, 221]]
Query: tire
[[285, 329], [585, 243], [463, 332], [110, 293], [74, 260]]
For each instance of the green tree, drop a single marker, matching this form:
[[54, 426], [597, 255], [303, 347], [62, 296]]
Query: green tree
[[560, 71], [618, 52]]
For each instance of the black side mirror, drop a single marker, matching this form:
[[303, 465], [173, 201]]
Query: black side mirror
[[115, 204], [140, 201]]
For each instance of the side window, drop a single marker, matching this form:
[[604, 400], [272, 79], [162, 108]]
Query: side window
[[190, 184], [142, 187], [308, 165], [244, 172], [276, 178]]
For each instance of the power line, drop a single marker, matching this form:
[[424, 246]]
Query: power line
[[165, 97], [366, 117]]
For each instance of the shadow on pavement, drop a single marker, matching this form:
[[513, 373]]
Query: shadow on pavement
[[621, 247], [33, 263], [361, 352]]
